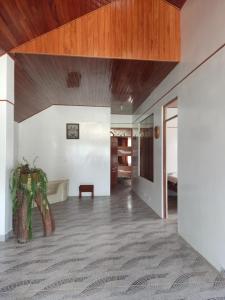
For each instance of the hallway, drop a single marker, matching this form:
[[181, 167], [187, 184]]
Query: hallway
[[110, 248]]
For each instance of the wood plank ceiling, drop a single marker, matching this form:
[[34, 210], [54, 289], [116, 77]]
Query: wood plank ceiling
[[42, 81], [23, 20], [38, 17], [145, 29], [178, 3]]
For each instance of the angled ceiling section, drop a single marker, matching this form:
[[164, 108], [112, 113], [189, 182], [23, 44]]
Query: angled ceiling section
[[124, 29], [42, 81], [115, 55], [23, 20]]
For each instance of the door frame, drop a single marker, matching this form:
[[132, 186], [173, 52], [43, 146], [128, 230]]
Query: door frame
[[165, 182]]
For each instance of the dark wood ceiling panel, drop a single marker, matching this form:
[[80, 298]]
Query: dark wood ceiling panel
[[178, 3], [23, 20], [42, 81], [134, 81]]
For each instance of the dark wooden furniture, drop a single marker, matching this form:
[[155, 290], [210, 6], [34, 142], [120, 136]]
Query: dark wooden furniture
[[124, 171], [114, 161], [172, 182], [120, 151], [85, 188]]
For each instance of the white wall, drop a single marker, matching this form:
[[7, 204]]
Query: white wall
[[151, 192], [82, 161], [7, 78], [6, 162], [201, 161], [201, 123], [6, 142], [171, 146], [121, 121], [16, 142]]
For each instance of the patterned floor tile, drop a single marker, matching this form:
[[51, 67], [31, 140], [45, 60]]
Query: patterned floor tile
[[112, 248]]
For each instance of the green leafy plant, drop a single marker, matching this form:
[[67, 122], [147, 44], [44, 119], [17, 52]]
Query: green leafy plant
[[29, 182]]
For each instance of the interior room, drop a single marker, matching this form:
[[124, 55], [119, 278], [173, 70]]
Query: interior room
[[121, 156], [170, 158], [112, 158]]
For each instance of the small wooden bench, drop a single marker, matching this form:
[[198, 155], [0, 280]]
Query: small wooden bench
[[85, 188]]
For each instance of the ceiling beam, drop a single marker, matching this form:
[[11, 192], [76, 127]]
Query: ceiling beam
[[125, 29]]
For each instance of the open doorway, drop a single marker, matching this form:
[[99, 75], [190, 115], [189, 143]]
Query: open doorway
[[170, 142], [121, 156]]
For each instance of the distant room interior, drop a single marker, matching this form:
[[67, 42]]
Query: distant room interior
[[171, 155], [121, 156]]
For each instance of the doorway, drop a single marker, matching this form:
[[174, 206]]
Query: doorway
[[170, 170], [121, 156]]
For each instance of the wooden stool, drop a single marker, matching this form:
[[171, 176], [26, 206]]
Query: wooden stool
[[86, 188]]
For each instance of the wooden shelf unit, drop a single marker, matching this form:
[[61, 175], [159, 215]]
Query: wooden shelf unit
[[120, 151]]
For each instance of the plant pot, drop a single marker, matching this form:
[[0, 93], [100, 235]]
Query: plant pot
[[24, 178], [47, 217], [35, 176], [28, 184], [20, 220]]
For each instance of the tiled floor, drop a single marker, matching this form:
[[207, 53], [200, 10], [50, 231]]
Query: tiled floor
[[110, 248]]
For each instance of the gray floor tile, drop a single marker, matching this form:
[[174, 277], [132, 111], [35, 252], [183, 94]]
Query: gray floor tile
[[107, 248]]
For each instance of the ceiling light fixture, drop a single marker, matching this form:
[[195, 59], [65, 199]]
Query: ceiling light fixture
[[130, 99]]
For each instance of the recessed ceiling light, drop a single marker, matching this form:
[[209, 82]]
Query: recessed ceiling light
[[130, 99]]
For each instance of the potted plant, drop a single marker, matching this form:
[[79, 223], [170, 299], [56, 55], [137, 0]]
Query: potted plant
[[29, 185]]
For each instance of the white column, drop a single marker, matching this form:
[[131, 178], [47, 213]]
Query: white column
[[6, 142]]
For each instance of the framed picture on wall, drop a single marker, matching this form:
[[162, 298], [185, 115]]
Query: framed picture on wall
[[72, 131]]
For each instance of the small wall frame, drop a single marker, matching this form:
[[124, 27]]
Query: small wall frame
[[72, 131]]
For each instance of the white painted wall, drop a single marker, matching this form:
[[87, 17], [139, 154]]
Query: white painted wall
[[171, 146], [16, 142], [149, 191], [82, 161], [7, 78], [121, 121], [201, 123], [6, 163], [202, 161], [6, 143]]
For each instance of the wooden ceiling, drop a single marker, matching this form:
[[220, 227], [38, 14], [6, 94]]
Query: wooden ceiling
[[178, 3], [135, 29], [124, 29], [42, 81], [23, 20]]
